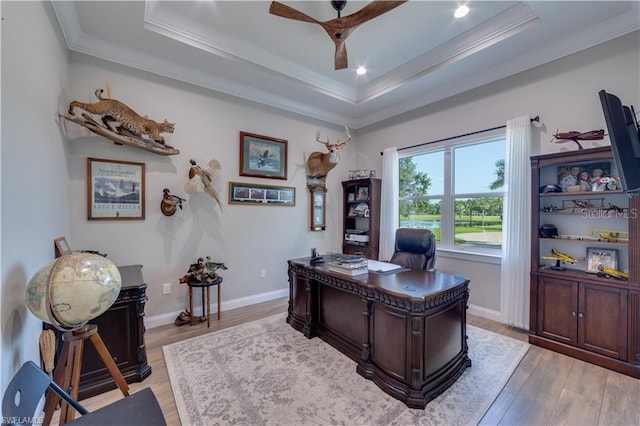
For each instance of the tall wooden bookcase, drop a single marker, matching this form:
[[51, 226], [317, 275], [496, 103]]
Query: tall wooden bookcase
[[586, 315], [361, 217]]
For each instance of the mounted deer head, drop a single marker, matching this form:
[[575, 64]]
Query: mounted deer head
[[319, 164]]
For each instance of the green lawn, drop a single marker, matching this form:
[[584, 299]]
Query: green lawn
[[491, 224]]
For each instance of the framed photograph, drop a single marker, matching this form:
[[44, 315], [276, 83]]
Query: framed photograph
[[251, 193], [363, 193], [597, 257], [62, 247], [115, 190], [263, 156], [583, 177]]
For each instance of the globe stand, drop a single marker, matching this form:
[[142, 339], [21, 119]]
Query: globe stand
[[68, 368]]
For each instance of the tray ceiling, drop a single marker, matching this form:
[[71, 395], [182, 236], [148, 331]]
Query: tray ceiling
[[415, 54]]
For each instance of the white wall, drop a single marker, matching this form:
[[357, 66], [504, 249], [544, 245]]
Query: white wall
[[34, 175], [246, 238], [565, 95]]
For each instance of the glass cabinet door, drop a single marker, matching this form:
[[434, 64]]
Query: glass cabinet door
[[317, 209]]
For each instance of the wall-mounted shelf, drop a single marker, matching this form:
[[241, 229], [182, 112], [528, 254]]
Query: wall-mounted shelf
[[118, 139]]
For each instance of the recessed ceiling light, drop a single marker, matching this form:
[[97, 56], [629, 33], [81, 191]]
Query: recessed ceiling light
[[361, 71], [461, 11]]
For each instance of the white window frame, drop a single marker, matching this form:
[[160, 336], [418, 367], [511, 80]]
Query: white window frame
[[446, 246]]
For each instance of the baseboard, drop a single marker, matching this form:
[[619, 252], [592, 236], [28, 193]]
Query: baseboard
[[170, 317], [485, 313]]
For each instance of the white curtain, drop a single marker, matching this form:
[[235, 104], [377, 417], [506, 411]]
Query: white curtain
[[389, 218], [516, 225]]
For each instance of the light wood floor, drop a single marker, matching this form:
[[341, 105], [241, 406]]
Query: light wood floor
[[547, 388]]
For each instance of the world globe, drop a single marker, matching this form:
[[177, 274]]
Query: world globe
[[73, 289]]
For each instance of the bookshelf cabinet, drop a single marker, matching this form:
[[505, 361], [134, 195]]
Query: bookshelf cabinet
[[361, 217], [577, 308]]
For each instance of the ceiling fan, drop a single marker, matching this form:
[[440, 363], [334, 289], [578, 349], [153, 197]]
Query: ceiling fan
[[341, 27]]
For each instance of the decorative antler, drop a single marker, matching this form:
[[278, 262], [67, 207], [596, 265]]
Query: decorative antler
[[319, 164], [338, 143], [346, 131]]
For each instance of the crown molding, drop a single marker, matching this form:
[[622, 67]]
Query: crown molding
[[408, 76], [490, 32]]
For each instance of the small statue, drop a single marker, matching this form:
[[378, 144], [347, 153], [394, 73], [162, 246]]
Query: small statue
[[203, 271], [211, 267]]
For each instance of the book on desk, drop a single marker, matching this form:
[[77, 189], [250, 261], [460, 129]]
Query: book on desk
[[352, 265], [348, 271], [357, 265]]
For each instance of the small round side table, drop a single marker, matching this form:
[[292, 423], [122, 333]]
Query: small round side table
[[206, 298]]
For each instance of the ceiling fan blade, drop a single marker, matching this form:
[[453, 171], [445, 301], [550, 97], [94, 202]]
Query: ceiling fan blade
[[370, 11], [285, 11], [340, 61]]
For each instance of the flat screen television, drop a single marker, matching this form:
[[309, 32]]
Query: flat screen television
[[625, 140]]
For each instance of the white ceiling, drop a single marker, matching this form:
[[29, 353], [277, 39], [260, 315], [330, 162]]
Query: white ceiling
[[416, 54]]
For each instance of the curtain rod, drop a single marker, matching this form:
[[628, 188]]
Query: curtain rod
[[536, 118]]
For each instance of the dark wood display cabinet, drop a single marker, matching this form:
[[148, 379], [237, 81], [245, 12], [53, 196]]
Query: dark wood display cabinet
[[361, 213], [577, 308], [122, 329]]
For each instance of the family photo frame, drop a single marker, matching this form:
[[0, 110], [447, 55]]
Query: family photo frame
[[61, 246], [584, 177], [263, 156], [115, 190]]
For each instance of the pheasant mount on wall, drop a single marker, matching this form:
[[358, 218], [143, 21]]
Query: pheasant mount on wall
[[341, 27], [133, 129], [202, 179]]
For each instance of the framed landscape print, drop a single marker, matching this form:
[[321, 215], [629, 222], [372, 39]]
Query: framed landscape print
[[251, 193], [115, 190], [263, 156]]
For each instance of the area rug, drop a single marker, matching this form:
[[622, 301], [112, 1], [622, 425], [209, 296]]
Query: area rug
[[266, 373]]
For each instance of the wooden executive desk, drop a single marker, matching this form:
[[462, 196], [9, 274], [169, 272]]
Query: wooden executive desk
[[406, 330]]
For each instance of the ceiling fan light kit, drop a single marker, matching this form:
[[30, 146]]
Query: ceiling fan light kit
[[341, 27]]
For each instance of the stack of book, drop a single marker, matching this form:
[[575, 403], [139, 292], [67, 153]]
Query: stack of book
[[352, 266]]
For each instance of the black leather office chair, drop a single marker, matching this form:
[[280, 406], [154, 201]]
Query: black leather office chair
[[30, 383], [415, 249]]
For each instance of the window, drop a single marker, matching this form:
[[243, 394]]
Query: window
[[456, 192]]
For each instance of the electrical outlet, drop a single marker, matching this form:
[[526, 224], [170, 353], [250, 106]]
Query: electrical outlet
[[263, 273], [166, 288]]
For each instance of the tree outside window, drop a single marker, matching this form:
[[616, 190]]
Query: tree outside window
[[468, 209]]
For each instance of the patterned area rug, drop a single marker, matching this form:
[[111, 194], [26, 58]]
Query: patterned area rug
[[266, 373]]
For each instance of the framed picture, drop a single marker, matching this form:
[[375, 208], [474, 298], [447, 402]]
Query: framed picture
[[583, 177], [601, 257], [115, 190], [363, 193], [251, 193], [262, 156], [62, 247]]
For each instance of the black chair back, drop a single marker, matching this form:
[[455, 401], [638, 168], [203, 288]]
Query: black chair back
[[415, 249]]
